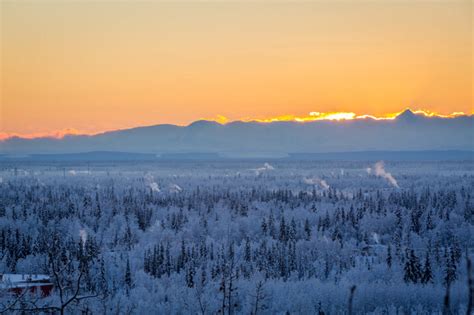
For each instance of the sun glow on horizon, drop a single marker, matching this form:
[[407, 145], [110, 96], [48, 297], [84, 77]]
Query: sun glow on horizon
[[311, 117], [338, 116]]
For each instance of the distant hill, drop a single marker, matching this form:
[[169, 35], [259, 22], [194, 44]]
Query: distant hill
[[83, 156], [450, 155], [407, 132]]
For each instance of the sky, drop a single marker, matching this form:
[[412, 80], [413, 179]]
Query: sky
[[89, 66]]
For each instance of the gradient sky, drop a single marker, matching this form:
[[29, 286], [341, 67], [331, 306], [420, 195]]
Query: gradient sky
[[95, 66]]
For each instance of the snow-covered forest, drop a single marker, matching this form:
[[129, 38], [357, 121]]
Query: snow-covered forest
[[239, 237]]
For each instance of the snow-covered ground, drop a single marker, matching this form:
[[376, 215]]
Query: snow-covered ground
[[245, 237]]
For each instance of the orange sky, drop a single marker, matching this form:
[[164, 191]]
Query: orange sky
[[94, 66]]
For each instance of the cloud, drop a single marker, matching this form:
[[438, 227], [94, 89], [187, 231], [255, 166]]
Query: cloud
[[55, 134]]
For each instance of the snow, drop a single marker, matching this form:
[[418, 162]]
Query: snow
[[301, 232]]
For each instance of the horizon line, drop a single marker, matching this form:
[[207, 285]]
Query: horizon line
[[222, 120]]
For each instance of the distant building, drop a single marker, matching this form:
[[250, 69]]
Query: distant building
[[369, 254], [17, 283]]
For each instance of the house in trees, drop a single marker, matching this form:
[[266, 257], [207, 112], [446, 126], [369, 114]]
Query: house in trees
[[369, 254], [17, 283]]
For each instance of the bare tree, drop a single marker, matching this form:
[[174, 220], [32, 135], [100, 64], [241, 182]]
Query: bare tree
[[259, 298], [200, 287], [227, 286], [470, 286], [68, 294]]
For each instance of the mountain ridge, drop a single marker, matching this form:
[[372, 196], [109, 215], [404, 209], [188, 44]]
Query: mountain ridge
[[408, 131]]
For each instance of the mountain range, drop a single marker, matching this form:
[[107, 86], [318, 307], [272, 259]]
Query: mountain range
[[407, 132]]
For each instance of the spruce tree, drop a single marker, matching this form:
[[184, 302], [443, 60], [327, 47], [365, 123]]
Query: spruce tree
[[264, 227], [128, 276], [190, 277], [247, 252], [451, 269], [307, 229], [283, 233], [412, 268], [389, 256], [427, 276]]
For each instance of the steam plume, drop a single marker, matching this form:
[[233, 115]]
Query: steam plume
[[316, 181], [175, 188], [264, 168], [154, 187], [150, 182], [376, 238], [83, 235], [324, 184], [379, 171]]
